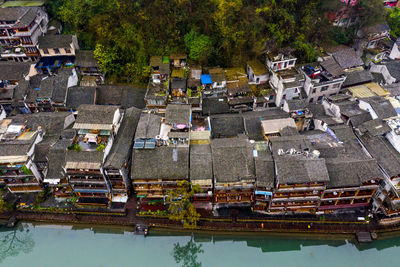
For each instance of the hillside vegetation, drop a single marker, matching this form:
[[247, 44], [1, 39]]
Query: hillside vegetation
[[125, 33]]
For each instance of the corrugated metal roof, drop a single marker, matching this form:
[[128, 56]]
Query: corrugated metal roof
[[93, 126], [377, 89], [361, 91]]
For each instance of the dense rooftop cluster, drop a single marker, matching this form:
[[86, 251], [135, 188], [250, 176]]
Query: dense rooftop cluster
[[270, 136]]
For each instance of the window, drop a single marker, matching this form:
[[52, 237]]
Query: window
[[320, 97], [314, 91], [56, 50], [324, 88], [336, 85], [311, 100], [45, 51], [285, 64], [67, 50]]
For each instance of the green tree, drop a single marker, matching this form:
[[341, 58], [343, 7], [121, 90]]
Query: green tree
[[199, 46], [125, 33], [371, 12], [304, 50], [108, 58], [393, 20], [180, 207]]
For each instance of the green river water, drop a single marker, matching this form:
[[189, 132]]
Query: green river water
[[55, 245]]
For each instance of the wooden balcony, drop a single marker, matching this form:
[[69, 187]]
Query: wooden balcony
[[87, 181], [25, 189]]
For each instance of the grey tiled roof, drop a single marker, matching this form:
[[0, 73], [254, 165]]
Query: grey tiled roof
[[394, 69], [79, 95], [357, 77], [84, 156], [13, 70], [394, 89], [55, 41], [28, 17], [382, 107], [177, 113], [296, 104], [178, 83], [56, 159], [148, 126], [293, 169], [355, 114], [226, 125], [215, 105], [13, 13], [374, 127], [124, 96], [200, 162], [60, 85], [347, 58], [352, 172], [51, 122], [264, 166], [121, 149], [85, 59], [160, 163], [343, 132], [383, 152], [332, 67], [14, 148], [252, 123], [232, 160], [96, 114]]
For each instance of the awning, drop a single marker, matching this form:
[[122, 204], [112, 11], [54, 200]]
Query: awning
[[205, 79], [105, 132], [123, 199], [265, 193], [83, 131]]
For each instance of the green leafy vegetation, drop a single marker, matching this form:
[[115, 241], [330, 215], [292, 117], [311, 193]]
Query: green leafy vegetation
[[75, 147], [25, 170], [73, 199], [180, 207], [100, 147], [125, 33], [199, 46], [393, 20], [154, 213], [42, 196]]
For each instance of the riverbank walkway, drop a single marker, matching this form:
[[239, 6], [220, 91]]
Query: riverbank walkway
[[245, 224]]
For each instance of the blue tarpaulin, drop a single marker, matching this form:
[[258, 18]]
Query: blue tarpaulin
[[53, 62], [265, 193], [48, 63], [331, 133], [205, 79]]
